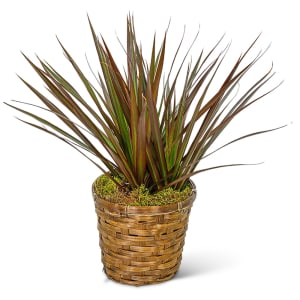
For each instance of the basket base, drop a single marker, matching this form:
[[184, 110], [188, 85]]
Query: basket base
[[139, 280]]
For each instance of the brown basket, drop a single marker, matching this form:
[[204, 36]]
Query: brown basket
[[142, 245]]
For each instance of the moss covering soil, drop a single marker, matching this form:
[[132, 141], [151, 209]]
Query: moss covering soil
[[107, 189]]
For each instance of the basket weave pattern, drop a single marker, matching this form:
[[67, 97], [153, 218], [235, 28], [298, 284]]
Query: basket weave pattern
[[142, 245]]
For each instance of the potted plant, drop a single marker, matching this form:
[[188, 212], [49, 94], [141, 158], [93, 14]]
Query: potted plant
[[154, 133]]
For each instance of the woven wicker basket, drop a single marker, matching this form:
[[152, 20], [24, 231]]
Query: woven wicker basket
[[142, 245]]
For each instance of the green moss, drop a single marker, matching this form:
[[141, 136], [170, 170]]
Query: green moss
[[107, 189]]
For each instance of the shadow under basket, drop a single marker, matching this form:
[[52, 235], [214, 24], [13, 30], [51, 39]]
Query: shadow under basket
[[142, 244]]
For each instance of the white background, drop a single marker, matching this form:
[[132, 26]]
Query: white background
[[244, 234]]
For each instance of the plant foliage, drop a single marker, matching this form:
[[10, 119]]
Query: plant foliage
[[155, 136]]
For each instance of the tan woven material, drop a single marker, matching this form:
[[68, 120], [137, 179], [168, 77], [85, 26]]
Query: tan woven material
[[142, 245]]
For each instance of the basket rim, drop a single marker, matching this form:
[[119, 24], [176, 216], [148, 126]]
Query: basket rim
[[153, 209]]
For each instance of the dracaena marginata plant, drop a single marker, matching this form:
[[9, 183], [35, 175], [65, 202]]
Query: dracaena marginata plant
[[155, 135]]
